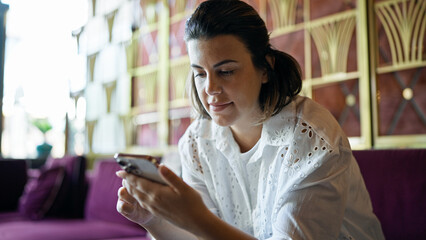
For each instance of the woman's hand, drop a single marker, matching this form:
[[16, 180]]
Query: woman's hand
[[145, 202], [129, 207]]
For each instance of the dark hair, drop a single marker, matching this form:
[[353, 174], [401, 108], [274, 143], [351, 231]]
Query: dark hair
[[237, 18]]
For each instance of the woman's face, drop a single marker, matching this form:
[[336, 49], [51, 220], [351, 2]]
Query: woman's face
[[226, 80]]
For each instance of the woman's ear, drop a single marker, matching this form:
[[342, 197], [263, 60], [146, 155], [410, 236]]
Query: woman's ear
[[271, 61]]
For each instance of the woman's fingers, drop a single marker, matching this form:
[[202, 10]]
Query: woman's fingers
[[135, 195], [125, 203], [145, 190], [140, 183], [177, 202], [172, 179], [124, 195], [124, 207], [134, 212], [131, 202]]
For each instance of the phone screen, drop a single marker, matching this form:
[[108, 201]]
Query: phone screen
[[140, 165]]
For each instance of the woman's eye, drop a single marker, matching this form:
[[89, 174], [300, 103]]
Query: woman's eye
[[226, 73], [199, 75]]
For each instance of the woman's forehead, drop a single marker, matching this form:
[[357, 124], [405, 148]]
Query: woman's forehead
[[216, 48]]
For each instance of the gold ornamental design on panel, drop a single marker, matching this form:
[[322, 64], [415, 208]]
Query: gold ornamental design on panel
[[332, 40], [283, 13], [404, 23], [179, 73]]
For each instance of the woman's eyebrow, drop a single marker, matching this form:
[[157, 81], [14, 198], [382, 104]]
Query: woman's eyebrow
[[224, 62], [216, 65], [196, 66]]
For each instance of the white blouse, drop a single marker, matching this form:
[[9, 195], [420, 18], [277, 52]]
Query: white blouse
[[300, 181]]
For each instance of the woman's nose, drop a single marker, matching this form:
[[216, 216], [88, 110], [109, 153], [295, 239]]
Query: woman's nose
[[213, 86]]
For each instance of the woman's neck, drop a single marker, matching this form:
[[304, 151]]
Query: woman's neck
[[247, 137]]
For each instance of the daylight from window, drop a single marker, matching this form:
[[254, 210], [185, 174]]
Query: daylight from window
[[42, 67]]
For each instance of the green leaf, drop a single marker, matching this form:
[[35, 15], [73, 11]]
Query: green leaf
[[42, 124]]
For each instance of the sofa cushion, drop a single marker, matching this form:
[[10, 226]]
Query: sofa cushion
[[68, 229], [71, 197], [11, 217], [41, 192], [102, 195]]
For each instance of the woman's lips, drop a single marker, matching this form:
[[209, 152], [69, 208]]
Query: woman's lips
[[217, 107]]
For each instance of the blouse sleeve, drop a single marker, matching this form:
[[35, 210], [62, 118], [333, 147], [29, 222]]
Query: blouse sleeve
[[312, 190]]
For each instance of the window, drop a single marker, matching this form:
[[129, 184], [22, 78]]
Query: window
[[42, 68]]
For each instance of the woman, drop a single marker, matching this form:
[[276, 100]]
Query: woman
[[260, 162]]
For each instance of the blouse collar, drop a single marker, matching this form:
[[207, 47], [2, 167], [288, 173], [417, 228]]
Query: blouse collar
[[276, 131]]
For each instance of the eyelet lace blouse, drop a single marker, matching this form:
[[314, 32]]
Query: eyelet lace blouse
[[301, 180]]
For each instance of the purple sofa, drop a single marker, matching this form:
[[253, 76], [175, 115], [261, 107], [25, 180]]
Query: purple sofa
[[395, 179], [77, 204]]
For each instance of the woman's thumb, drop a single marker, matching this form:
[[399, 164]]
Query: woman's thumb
[[171, 178]]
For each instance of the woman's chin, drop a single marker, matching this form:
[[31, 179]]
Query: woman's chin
[[221, 120]]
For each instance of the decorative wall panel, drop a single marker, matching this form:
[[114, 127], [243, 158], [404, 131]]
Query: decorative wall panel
[[402, 102], [178, 127], [147, 135], [399, 68], [147, 49], [342, 99], [325, 8], [325, 37], [145, 95], [403, 25], [368, 71], [177, 43], [179, 74]]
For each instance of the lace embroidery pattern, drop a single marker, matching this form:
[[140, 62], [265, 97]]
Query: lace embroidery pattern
[[307, 129], [346, 237], [304, 154], [192, 141], [280, 136], [296, 156]]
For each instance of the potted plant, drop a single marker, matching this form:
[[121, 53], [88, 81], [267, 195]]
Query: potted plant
[[43, 150]]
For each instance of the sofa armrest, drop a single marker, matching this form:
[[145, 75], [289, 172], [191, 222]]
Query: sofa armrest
[[13, 176]]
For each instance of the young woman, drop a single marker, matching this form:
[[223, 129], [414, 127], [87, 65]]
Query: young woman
[[260, 162]]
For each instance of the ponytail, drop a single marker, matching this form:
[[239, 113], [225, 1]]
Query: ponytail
[[284, 82]]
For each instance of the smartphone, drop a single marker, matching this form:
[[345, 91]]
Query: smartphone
[[140, 165]]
